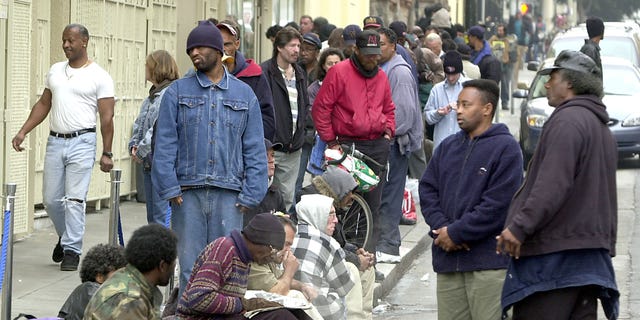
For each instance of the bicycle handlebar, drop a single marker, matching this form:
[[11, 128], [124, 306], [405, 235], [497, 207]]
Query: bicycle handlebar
[[354, 152]]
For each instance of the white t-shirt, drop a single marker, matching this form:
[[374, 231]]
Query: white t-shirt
[[75, 94]]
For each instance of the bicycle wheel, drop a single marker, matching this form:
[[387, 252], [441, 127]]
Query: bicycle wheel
[[357, 222]]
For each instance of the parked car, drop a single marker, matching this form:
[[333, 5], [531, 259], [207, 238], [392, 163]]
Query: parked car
[[621, 39], [621, 96]]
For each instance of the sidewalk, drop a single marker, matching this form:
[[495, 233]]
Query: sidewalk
[[40, 288]]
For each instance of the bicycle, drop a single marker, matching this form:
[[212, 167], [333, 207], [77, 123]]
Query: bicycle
[[356, 219]]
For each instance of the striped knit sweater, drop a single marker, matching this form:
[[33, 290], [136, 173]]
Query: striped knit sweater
[[218, 280]]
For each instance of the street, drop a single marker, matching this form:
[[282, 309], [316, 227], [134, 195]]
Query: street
[[414, 296]]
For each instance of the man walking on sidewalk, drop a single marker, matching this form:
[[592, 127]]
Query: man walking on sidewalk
[[464, 196], [74, 91]]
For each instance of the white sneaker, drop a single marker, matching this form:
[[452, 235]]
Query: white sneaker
[[382, 257]]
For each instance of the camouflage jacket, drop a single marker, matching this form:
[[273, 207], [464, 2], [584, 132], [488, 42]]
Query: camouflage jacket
[[126, 295]]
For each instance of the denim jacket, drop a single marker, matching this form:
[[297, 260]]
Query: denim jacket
[[210, 135], [143, 126]]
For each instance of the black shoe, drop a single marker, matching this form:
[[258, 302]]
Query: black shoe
[[407, 221], [58, 253], [379, 276], [70, 261]]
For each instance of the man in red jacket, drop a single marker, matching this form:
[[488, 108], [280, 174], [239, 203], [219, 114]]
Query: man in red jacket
[[354, 106]]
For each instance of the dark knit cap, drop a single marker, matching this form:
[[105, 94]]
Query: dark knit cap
[[205, 34], [452, 62], [595, 27], [399, 27], [265, 229]]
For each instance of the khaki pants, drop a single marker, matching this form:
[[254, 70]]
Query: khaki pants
[[359, 300], [470, 295]]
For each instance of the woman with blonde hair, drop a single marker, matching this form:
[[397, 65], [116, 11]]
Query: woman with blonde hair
[[160, 69]]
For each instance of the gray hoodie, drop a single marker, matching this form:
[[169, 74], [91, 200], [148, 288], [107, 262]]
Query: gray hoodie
[[404, 93]]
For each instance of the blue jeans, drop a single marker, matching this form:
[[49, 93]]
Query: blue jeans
[[205, 215], [505, 82], [391, 202], [156, 206], [68, 164]]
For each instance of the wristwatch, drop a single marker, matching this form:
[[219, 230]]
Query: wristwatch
[[108, 154]]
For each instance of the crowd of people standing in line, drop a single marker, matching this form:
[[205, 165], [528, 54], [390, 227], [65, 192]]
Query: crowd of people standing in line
[[227, 147]]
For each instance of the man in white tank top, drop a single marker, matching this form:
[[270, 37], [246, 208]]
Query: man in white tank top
[[75, 90]]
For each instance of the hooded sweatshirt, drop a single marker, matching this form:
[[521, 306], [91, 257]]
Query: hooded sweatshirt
[[322, 261], [468, 186], [568, 200], [490, 67], [404, 93]]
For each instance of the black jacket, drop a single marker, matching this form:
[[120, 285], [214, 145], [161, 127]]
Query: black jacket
[[282, 108]]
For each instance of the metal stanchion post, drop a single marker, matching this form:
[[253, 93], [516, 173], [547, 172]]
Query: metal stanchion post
[[114, 206], [10, 195]]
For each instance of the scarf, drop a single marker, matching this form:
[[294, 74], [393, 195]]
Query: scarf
[[361, 70], [153, 90]]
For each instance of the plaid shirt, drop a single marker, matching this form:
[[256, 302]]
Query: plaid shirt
[[322, 264]]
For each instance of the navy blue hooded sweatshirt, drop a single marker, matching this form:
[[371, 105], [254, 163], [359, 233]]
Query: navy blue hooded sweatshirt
[[468, 186]]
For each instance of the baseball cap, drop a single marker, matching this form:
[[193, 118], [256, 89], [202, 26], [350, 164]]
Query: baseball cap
[[229, 27], [312, 39], [573, 60], [476, 31], [276, 146], [372, 22], [368, 41], [349, 34]]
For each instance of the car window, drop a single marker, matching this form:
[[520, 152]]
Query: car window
[[537, 89], [621, 47], [621, 80]]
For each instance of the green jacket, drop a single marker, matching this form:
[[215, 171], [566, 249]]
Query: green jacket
[[126, 295]]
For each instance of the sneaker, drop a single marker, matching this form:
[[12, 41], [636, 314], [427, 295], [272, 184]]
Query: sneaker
[[406, 221], [382, 257], [58, 253], [379, 276], [70, 261]]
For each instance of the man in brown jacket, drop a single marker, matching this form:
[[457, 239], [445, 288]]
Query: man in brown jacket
[[562, 224]]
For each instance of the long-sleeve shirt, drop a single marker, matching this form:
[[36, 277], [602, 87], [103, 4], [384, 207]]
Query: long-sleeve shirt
[[322, 263], [218, 280], [441, 95], [126, 295]]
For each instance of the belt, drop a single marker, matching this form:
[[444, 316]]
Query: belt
[[71, 134]]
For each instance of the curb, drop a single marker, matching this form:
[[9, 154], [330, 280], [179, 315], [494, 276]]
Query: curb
[[416, 241]]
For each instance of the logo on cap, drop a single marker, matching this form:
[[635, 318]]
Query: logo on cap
[[373, 41], [370, 20], [450, 69]]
